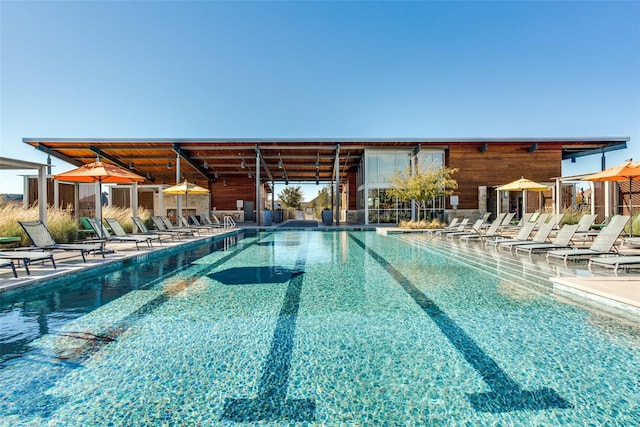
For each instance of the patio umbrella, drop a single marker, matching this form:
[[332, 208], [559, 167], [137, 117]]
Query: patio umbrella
[[185, 188], [623, 172], [523, 184], [99, 172]]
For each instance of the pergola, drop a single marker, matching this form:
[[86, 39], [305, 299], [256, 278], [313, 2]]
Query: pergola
[[206, 160], [15, 164]]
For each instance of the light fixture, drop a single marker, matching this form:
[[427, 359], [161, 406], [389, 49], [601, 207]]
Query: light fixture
[[215, 175], [533, 148], [149, 175], [283, 175], [168, 165], [317, 160], [243, 164], [280, 164], [573, 160], [182, 175], [224, 181], [205, 165], [131, 165], [250, 174], [483, 148], [286, 182]]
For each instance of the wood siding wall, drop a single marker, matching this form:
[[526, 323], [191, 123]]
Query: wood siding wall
[[499, 165]]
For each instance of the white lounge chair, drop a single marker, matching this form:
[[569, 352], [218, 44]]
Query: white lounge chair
[[615, 261], [562, 241], [603, 244]]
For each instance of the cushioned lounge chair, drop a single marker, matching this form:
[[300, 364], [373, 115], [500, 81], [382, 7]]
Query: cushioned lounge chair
[[603, 244], [42, 239], [615, 262], [561, 241], [119, 233], [27, 257]]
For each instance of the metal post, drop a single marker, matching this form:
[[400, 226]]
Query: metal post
[[258, 208], [42, 194], [178, 180]]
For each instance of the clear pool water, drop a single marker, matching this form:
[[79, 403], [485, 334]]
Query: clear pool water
[[327, 328]]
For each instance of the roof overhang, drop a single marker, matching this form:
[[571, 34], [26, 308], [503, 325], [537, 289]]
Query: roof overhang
[[281, 159]]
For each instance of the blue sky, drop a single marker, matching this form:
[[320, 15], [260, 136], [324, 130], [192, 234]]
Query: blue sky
[[318, 69]]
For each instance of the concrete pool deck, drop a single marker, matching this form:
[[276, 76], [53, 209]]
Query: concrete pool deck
[[621, 291]]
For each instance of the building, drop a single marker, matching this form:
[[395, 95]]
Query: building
[[240, 173]]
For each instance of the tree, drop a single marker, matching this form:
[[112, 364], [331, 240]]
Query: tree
[[322, 200], [423, 186], [291, 197]]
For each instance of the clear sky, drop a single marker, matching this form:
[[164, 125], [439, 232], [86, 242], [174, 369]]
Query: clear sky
[[91, 69]]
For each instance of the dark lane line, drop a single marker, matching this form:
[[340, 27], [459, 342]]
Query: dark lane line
[[272, 402], [505, 395]]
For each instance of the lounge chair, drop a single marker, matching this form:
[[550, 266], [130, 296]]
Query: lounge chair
[[10, 264], [167, 223], [562, 241], [142, 229], [615, 261], [461, 226], [213, 226], [161, 226], [523, 234], [634, 242], [103, 233], [584, 226], [541, 236], [603, 244], [27, 257], [492, 231], [185, 224], [42, 239], [475, 229], [228, 221], [119, 232]]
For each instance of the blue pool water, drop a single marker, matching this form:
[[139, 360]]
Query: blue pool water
[[327, 328]]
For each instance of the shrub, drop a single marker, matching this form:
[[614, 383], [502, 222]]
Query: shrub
[[573, 214], [421, 225], [123, 215], [635, 224]]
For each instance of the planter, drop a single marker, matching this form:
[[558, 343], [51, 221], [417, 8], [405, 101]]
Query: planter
[[277, 217], [267, 218], [327, 217]]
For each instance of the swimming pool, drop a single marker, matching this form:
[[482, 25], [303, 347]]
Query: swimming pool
[[312, 327]]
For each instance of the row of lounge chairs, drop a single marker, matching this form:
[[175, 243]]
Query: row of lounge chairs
[[601, 252], [44, 244]]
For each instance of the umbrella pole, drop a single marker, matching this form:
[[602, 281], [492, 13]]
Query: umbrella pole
[[630, 208]]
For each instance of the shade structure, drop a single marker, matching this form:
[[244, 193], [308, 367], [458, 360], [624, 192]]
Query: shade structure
[[99, 172], [626, 171], [185, 188], [523, 184]]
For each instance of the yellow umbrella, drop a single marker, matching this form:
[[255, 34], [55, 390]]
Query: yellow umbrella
[[625, 171], [523, 184], [185, 188]]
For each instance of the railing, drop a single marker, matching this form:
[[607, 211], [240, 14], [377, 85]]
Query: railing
[[228, 222]]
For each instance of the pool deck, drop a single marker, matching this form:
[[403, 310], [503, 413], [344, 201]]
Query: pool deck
[[621, 291]]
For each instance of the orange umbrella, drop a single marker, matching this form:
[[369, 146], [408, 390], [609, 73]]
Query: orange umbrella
[[623, 172], [99, 172]]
